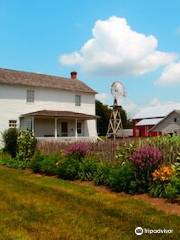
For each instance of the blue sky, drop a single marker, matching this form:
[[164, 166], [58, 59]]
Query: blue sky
[[42, 36]]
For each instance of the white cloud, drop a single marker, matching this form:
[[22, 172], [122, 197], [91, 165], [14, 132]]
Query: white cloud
[[170, 75], [103, 97], [116, 49], [130, 106], [155, 102]]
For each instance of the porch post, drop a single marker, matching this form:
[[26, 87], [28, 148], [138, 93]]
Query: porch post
[[55, 127], [32, 125], [76, 128]]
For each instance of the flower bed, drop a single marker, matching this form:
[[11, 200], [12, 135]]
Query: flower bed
[[140, 166]]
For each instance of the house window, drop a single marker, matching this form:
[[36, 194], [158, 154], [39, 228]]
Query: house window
[[175, 119], [77, 100], [30, 95], [79, 128], [12, 123]]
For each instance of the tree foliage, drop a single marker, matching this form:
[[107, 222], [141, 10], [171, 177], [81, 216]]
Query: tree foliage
[[10, 141], [104, 112]]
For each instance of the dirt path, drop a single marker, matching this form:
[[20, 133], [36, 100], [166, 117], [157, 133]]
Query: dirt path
[[161, 204]]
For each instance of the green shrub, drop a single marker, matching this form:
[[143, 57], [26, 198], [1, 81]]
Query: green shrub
[[47, 164], [122, 178], [166, 182], [4, 157], [10, 141], [175, 181], [125, 151], [26, 146], [169, 190], [87, 169], [69, 169], [101, 176], [14, 163], [157, 189], [36, 162]]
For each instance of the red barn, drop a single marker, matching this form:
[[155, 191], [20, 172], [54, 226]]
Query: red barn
[[150, 117]]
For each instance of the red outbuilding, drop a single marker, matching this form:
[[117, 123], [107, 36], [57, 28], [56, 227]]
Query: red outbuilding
[[150, 117]]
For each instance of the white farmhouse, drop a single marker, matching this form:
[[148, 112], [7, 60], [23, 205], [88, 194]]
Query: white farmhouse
[[50, 106]]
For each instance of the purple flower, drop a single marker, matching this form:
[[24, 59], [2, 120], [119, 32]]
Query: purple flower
[[80, 149], [147, 158]]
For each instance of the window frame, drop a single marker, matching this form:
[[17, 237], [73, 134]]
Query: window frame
[[12, 123], [78, 100], [30, 96]]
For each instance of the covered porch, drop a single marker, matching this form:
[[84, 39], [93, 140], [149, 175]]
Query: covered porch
[[57, 125]]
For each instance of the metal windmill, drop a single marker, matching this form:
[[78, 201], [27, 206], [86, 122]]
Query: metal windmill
[[115, 122]]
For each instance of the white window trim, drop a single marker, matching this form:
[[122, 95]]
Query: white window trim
[[12, 123], [78, 100], [31, 97]]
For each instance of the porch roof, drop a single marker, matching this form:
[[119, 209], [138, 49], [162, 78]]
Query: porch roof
[[60, 114]]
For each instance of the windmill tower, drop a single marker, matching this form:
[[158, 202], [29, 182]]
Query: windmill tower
[[115, 126]]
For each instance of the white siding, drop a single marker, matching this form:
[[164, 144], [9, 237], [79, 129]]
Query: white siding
[[169, 125], [13, 104]]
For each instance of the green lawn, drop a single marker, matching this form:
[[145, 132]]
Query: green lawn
[[39, 207]]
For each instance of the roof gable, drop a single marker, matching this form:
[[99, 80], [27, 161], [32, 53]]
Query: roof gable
[[13, 77], [164, 119]]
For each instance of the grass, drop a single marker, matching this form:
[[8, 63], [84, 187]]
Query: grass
[[40, 207]]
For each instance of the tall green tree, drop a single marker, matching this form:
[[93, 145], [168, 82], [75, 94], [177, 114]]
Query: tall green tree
[[104, 112]]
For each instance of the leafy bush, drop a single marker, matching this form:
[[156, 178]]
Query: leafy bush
[[47, 164], [122, 178], [26, 146], [146, 159], [10, 141], [168, 145], [101, 176], [167, 190], [36, 162], [77, 150], [166, 183], [87, 168], [4, 157], [69, 169], [125, 151]]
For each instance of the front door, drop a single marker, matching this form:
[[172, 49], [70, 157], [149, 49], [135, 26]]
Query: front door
[[64, 129]]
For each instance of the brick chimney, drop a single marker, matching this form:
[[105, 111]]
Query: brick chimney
[[74, 75]]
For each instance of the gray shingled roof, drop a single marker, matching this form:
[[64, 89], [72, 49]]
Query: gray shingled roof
[[62, 114], [13, 77]]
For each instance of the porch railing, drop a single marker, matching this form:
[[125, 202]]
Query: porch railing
[[69, 139]]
